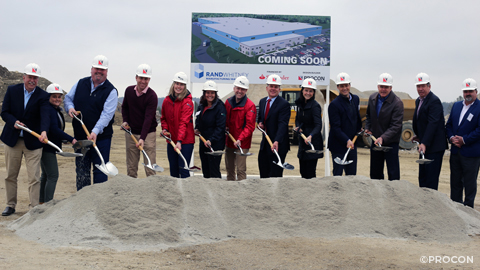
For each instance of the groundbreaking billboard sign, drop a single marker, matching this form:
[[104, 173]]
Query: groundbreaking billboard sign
[[225, 46]]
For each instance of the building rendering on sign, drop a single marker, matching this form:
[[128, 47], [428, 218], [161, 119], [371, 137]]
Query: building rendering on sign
[[256, 36]]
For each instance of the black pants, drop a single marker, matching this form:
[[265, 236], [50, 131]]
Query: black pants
[[463, 175], [350, 169], [378, 160], [210, 164], [428, 173], [308, 168], [265, 162]]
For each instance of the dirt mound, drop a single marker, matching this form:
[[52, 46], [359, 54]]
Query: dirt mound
[[160, 212]]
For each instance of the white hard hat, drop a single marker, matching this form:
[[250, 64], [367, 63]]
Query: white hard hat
[[210, 86], [100, 61], [274, 79], [422, 78], [33, 69], [309, 83], [469, 84], [242, 82], [180, 77], [342, 78], [54, 88], [385, 79], [144, 70]]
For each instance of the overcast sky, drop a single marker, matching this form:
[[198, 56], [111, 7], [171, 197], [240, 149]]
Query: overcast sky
[[403, 38]]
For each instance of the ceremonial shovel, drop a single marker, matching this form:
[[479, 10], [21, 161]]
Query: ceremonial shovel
[[192, 169], [83, 145], [151, 166], [423, 160], [344, 160], [379, 147], [212, 152], [241, 150], [109, 168], [311, 151], [60, 152], [279, 163]]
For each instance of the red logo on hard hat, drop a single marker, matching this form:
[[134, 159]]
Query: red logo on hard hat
[[274, 79], [56, 88], [468, 84], [419, 79], [144, 71], [262, 77], [34, 70], [100, 62], [342, 79], [384, 79], [309, 83]]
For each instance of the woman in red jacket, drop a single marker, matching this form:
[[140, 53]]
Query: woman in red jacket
[[177, 121]]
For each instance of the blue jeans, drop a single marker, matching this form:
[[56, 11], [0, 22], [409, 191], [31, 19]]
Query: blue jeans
[[49, 177], [176, 161], [84, 164]]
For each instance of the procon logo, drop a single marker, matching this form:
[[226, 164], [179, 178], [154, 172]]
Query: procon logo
[[100, 62], [316, 78], [342, 79], [467, 84], [309, 82], [144, 71], [34, 70], [56, 88], [384, 79], [420, 79]]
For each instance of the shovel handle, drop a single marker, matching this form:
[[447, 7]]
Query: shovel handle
[[232, 138], [201, 138], [268, 139], [38, 136], [88, 134], [134, 139], [354, 138], [174, 147]]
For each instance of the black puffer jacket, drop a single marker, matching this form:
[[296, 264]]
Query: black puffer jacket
[[309, 119], [211, 124]]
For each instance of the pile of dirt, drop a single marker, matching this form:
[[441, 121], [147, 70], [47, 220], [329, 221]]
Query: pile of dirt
[[160, 212]]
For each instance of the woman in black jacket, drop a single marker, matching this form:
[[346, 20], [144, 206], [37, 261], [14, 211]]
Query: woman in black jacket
[[48, 163], [210, 123], [309, 122]]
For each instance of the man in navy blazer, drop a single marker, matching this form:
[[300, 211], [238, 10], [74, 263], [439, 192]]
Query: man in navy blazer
[[27, 105], [345, 123], [463, 132], [428, 125], [275, 124]]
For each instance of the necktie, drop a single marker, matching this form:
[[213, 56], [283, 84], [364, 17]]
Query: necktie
[[268, 109], [419, 105]]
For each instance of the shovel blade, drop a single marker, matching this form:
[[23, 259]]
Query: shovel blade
[[153, 167], [424, 161], [341, 162], [243, 154], [288, 166], [192, 169], [314, 151], [215, 153], [108, 169]]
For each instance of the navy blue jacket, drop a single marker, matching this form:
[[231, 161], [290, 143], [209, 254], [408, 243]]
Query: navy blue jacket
[[342, 127], [469, 129], [429, 124], [91, 106], [211, 124], [309, 119], [55, 133], [276, 124], [35, 116]]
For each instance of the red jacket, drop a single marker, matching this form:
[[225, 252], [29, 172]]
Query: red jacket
[[177, 118], [240, 121]]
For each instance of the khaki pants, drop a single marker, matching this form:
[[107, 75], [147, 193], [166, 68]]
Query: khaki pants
[[233, 160], [133, 153], [13, 161]]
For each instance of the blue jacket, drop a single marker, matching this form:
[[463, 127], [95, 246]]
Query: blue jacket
[[342, 127], [35, 116], [55, 133], [429, 124], [469, 129], [276, 124]]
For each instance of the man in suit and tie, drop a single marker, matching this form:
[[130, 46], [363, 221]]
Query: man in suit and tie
[[345, 122], [384, 121], [273, 117], [428, 125], [24, 104], [463, 132]]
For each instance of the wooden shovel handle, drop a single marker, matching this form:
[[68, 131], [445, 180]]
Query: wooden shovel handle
[[134, 139], [231, 137], [174, 147], [203, 139], [38, 136], [354, 138], [373, 138], [269, 141], [303, 136]]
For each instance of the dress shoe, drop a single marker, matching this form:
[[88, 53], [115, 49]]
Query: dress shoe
[[8, 211]]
